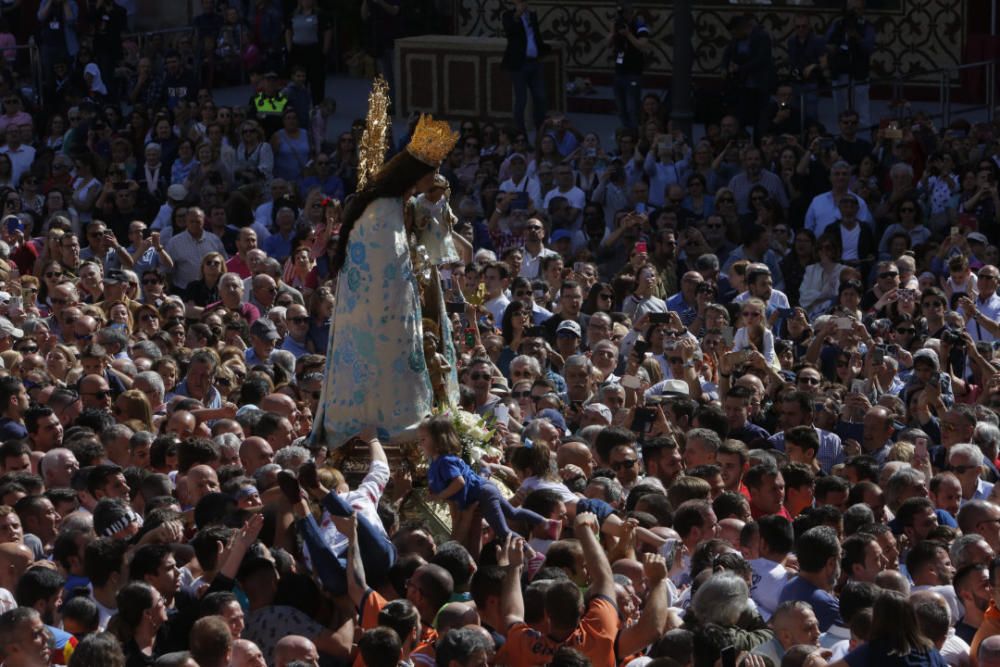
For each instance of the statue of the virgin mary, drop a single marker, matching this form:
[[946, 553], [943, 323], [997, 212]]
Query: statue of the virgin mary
[[377, 369]]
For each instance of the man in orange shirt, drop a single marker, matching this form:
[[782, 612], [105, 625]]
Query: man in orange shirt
[[590, 628], [428, 589]]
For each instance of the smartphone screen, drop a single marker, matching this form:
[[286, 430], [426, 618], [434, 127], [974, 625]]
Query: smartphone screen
[[643, 419], [659, 318]]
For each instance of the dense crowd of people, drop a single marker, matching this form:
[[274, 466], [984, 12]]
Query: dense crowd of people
[[744, 387]]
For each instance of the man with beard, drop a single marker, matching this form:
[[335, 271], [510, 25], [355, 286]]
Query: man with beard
[[818, 552], [41, 589], [972, 586]]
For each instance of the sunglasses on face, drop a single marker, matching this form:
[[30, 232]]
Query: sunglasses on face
[[624, 465], [99, 395], [479, 376], [809, 380], [521, 394]]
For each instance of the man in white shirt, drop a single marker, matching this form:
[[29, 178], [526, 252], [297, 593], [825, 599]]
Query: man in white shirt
[[573, 195], [769, 574], [825, 208], [21, 155], [521, 182], [534, 249], [760, 285], [497, 277], [987, 304]]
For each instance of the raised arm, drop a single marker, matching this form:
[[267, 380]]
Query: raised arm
[[511, 557], [357, 585], [601, 579], [370, 436], [655, 618]]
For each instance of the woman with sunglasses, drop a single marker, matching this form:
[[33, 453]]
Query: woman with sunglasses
[[147, 321], [254, 157], [820, 282], [516, 320], [205, 290], [909, 217], [600, 298], [934, 308], [51, 275], [755, 331]]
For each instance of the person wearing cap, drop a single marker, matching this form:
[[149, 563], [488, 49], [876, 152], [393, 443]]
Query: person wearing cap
[[524, 186], [190, 246], [264, 337], [568, 338], [23, 254], [176, 198], [596, 414], [268, 105]]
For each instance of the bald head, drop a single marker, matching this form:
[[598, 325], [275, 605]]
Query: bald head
[[632, 569], [989, 652], [295, 647], [578, 454], [15, 558], [246, 654], [456, 615], [892, 580], [254, 453], [729, 530], [280, 403]]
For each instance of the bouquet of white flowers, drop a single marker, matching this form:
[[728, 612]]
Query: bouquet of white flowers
[[475, 434]]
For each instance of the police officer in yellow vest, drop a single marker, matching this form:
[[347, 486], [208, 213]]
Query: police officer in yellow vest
[[269, 104]]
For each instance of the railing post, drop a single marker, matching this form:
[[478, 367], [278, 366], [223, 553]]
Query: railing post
[[941, 100], [991, 90], [802, 114]]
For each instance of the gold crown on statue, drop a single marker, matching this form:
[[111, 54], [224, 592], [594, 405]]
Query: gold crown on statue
[[432, 140]]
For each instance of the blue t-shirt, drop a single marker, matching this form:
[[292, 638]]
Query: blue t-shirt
[[877, 653], [825, 606], [11, 430], [443, 469]]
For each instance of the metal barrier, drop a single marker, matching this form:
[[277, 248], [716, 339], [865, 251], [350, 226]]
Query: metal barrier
[[33, 62], [945, 76]]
